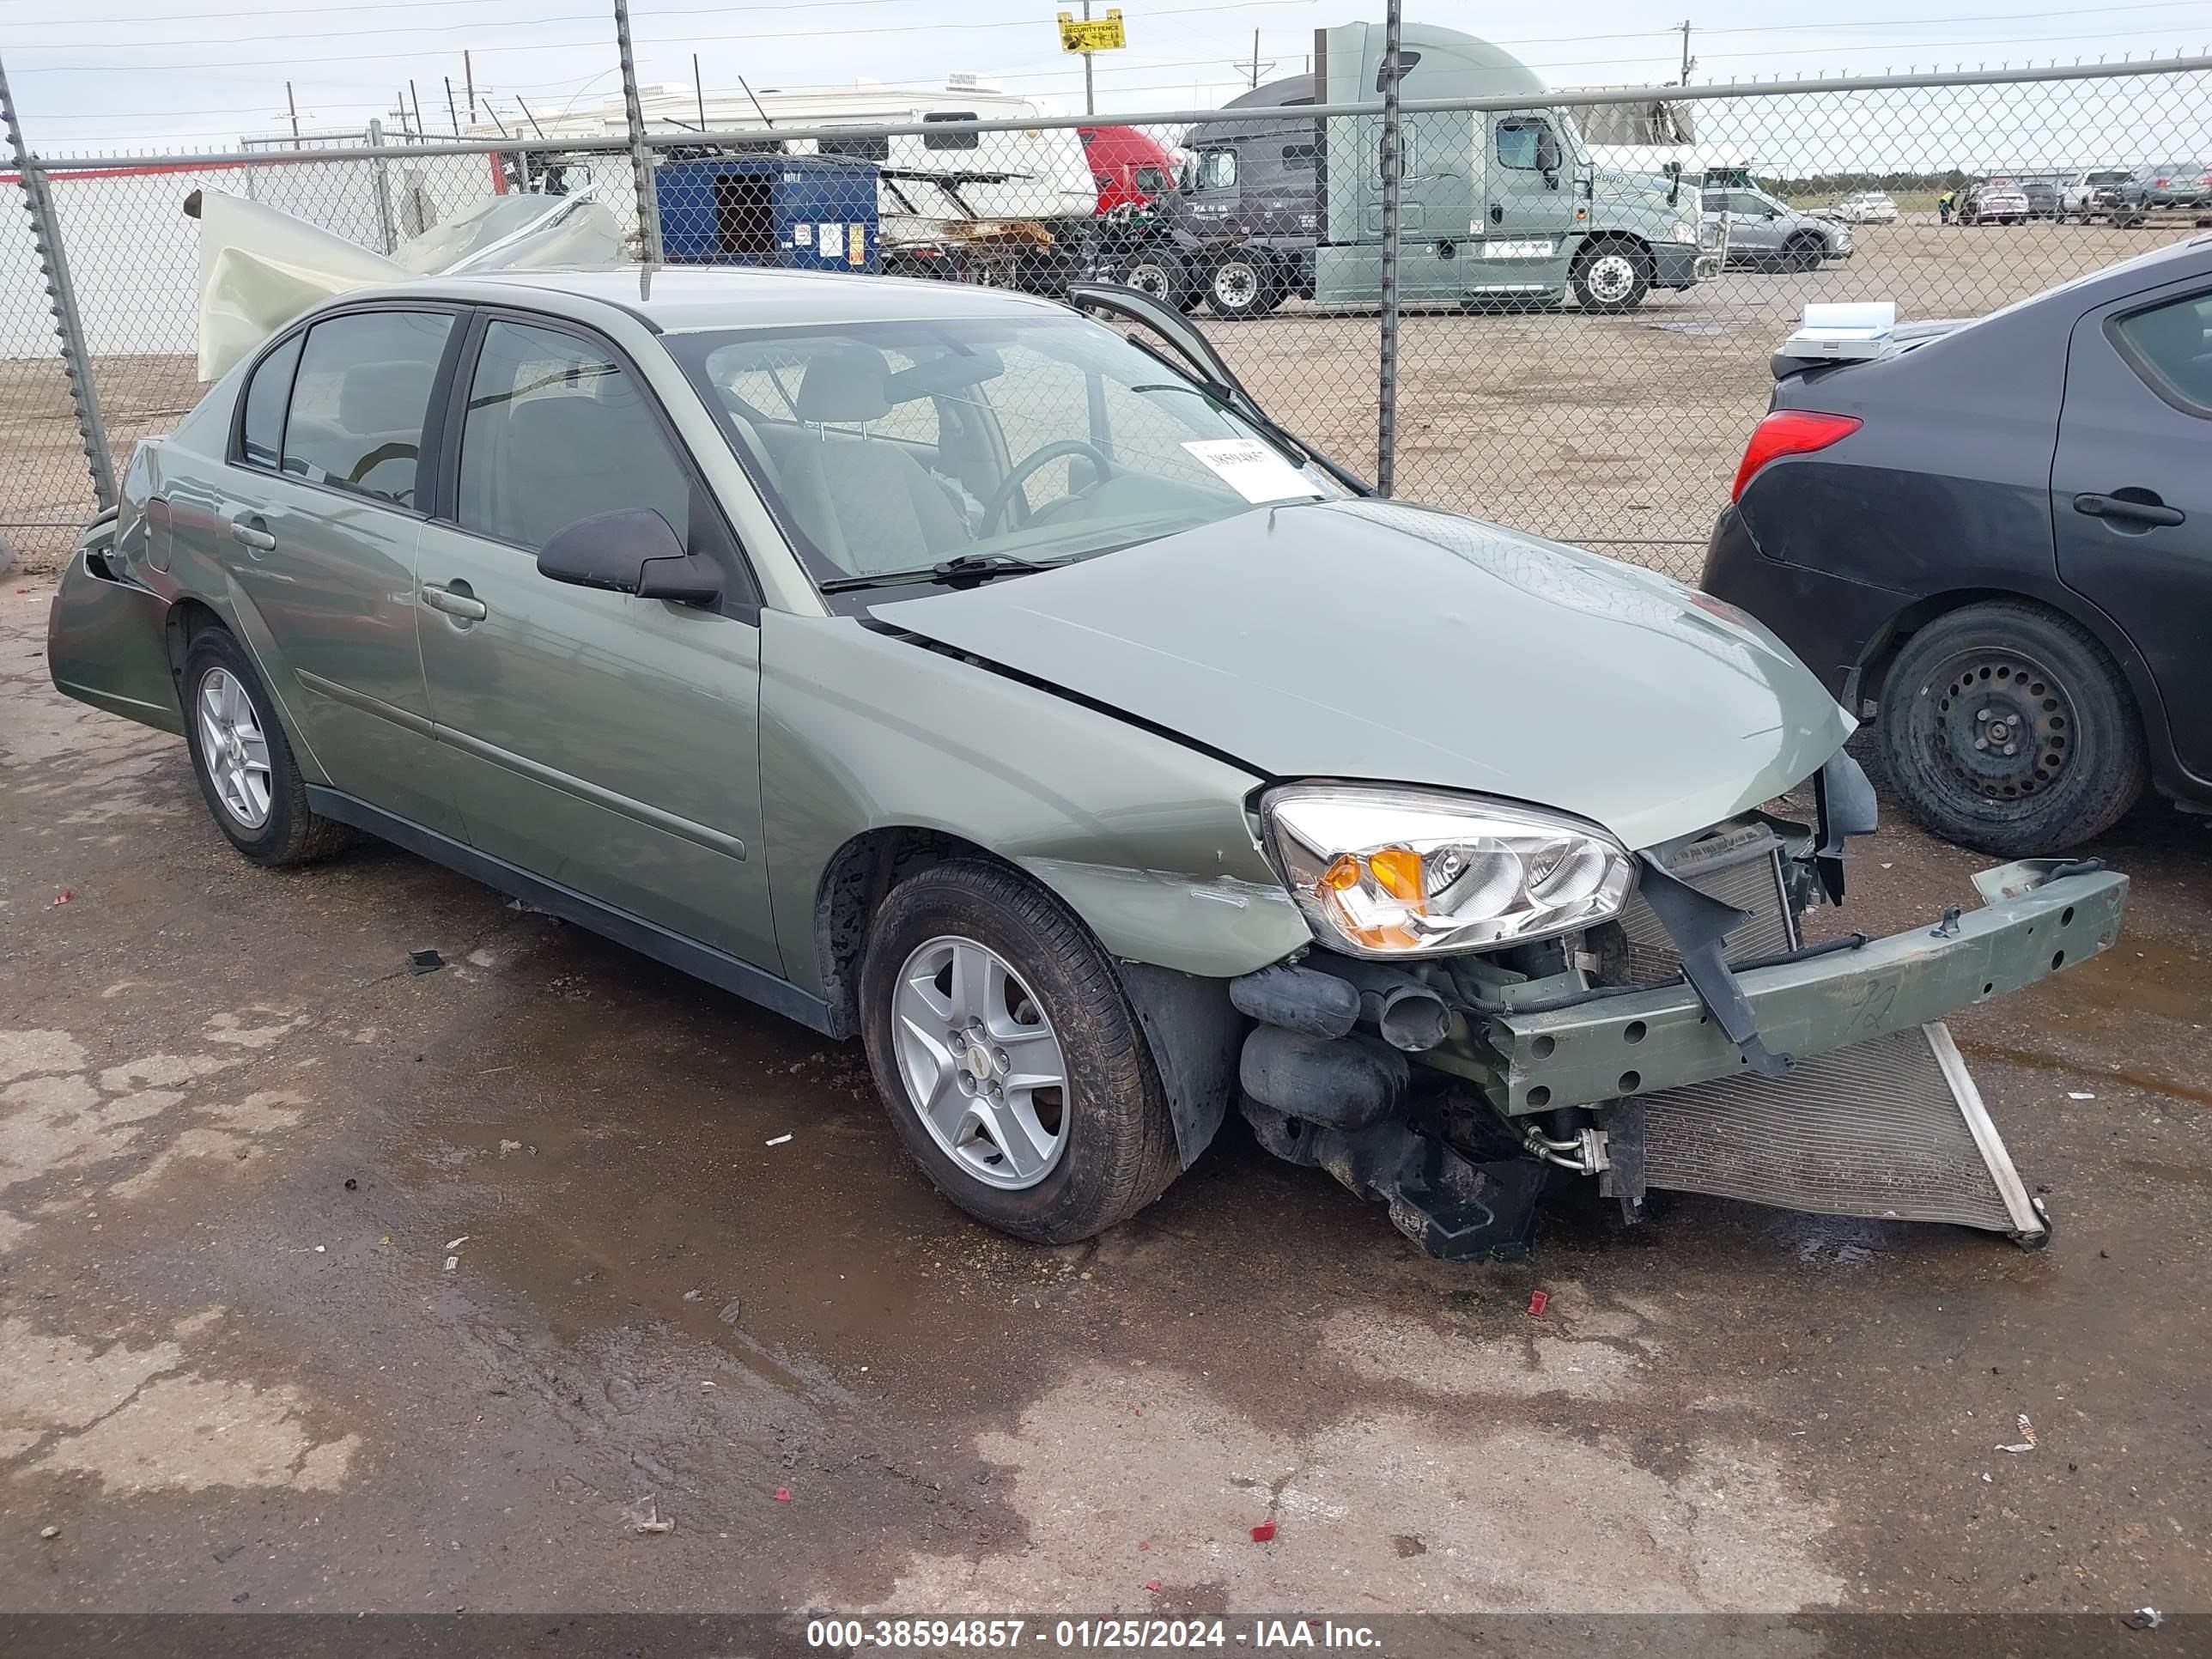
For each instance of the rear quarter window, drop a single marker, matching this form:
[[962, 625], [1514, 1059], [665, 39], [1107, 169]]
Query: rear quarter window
[[261, 427], [2170, 348]]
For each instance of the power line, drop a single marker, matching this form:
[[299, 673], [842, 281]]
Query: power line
[[569, 45], [80, 22], [194, 18]]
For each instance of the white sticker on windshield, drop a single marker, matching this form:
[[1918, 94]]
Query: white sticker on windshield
[[1252, 470]]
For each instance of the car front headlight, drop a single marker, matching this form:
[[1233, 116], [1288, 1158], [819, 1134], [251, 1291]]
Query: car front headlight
[[1682, 233], [1394, 873]]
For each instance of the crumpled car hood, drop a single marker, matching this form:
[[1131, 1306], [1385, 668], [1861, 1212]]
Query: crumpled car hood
[[1376, 641]]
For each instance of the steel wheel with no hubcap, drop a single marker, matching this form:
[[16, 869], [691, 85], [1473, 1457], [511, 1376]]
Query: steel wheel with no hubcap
[[981, 1065], [2001, 723], [234, 747]]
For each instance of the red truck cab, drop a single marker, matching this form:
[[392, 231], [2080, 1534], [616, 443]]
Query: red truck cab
[[1129, 167]]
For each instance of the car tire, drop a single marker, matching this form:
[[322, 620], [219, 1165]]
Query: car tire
[[1031, 967], [1802, 253], [2038, 681], [230, 725], [1611, 276], [1165, 276], [1242, 285]]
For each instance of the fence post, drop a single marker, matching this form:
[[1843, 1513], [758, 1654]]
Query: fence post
[[69, 329], [641, 161], [382, 169], [1386, 406]]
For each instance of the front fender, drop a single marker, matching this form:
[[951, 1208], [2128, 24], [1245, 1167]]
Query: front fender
[[1143, 838]]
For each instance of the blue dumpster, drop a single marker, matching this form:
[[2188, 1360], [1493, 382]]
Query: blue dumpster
[[806, 212]]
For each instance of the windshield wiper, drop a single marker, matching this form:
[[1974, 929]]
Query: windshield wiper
[[968, 569]]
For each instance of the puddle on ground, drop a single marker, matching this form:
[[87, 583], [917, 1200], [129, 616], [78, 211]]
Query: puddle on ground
[[2181, 1175], [2139, 975], [2058, 1065]]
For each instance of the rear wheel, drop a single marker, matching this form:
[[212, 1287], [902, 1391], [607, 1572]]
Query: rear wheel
[[1164, 276], [1008, 1058], [253, 786], [1611, 276], [2007, 727], [1802, 253], [1244, 285]]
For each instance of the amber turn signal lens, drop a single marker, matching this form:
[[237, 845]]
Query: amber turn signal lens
[[1342, 874], [1397, 871]]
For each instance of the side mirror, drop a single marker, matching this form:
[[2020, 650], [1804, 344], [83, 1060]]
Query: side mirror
[[630, 550]]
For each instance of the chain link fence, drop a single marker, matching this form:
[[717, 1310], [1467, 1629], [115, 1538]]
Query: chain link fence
[[1589, 285]]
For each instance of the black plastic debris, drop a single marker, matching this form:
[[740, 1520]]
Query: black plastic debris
[[424, 961]]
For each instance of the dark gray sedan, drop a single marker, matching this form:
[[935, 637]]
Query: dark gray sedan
[[1998, 535]]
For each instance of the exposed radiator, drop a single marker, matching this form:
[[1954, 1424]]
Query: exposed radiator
[[1739, 865], [1892, 1128]]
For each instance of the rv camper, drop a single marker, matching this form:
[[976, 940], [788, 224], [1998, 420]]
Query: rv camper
[[1510, 204]]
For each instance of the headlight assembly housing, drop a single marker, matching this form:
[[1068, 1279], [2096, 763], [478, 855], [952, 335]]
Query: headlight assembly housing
[[1393, 872]]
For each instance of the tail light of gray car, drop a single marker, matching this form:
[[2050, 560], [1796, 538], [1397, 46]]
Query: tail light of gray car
[[1790, 432]]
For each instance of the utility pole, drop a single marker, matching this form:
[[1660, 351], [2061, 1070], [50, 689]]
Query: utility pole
[[469, 74], [1688, 62], [641, 160], [1250, 73], [1386, 402], [292, 104], [1090, 103]]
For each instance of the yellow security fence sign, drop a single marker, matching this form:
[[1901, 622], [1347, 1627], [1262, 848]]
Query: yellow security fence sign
[[1092, 35]]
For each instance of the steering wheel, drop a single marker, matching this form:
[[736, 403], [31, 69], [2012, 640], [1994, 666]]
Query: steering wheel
[[377, 456], [1002, 497]]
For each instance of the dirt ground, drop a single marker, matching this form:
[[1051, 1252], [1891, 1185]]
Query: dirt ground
[[325, 1287], [1620, 430]]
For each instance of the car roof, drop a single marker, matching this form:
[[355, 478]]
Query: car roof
[[678, 299]]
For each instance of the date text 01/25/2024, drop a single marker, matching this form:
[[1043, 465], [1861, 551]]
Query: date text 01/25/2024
[[853, 1634]]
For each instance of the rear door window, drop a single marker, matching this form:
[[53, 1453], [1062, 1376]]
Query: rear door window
[[360, 399]]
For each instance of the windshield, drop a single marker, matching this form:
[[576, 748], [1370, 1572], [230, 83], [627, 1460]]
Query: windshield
[[889, 449]]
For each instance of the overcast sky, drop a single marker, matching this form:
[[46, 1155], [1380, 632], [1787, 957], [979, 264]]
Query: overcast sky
[[165, 74]]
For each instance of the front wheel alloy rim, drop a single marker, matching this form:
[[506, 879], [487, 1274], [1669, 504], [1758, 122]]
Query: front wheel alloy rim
[[1235, 285], [1612, 278], [235, 748], [981, 1065], [1999, 722]]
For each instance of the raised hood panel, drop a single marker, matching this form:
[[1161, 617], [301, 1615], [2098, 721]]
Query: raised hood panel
[[1370, 640]]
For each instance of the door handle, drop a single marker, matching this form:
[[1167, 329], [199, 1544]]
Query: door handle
[[246, 535], [2121, 507], [466, 607]]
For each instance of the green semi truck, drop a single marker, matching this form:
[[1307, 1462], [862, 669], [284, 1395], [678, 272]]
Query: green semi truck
[[1495, 206]]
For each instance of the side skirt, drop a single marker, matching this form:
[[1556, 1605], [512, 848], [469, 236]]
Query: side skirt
[[649, 938]]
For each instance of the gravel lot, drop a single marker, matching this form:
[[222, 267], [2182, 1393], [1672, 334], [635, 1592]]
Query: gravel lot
[[323, 1286], [1620, 430]]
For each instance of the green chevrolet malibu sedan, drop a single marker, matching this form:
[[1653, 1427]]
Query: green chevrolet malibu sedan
[[991, 679]]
